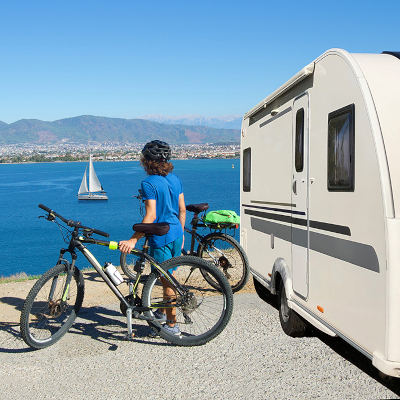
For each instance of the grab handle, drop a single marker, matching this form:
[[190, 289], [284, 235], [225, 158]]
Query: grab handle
[[295, 187]]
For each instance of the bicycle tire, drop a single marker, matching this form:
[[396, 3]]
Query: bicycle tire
[[203, 313], [228, 256], [127, 262], [42, 321]]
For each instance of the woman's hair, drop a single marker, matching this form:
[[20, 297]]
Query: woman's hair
[[153, 167]]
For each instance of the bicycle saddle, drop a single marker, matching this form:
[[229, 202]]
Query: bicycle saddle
[[158, 228], [197, 208]]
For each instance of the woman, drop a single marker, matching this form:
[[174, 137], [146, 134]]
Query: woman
[[164, 202]]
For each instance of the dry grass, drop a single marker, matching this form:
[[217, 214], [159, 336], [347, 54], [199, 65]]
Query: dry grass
[[22, 276], [19, 277]]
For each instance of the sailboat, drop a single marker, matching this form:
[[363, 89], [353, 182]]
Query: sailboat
[[95, 191]]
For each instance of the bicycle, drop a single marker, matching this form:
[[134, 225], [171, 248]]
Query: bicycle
[[219, 248], [54, 301]]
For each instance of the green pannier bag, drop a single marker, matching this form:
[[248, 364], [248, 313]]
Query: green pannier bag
[[221, 219]]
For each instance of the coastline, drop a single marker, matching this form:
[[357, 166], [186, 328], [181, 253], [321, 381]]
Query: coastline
[[83, 161]]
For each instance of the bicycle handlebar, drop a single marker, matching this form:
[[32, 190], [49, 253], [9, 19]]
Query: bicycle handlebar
[[72, 223], [139, 196]]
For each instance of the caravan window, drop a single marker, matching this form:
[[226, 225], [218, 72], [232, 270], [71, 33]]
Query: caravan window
[[246, 169], [299, 145], [341, 149]]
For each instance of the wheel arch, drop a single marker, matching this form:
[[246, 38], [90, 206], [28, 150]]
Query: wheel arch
[[281, 272]]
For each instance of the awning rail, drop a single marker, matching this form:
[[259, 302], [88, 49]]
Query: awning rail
[[304, 73]]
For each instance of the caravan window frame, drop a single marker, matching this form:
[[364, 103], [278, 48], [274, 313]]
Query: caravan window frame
[[247, 169], [299, 141], [341, 132]]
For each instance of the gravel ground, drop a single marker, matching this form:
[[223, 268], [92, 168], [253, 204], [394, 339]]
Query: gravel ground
[[251, 359]]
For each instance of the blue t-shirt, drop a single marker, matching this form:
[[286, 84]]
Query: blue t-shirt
[[165, 190]]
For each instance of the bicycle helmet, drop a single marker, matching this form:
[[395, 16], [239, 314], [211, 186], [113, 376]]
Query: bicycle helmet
[[157, 150]]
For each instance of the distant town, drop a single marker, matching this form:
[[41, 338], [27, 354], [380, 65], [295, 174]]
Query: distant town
[[108, 151]]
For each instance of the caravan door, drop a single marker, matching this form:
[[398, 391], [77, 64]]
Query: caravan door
[[300, 187]]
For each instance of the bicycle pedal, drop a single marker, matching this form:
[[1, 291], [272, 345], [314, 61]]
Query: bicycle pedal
[[129, 337]]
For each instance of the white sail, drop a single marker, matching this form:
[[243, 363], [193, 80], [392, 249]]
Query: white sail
[[94, 183], [89, 193], [83, 188]]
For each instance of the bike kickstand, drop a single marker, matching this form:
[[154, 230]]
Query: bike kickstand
[[130, 335]]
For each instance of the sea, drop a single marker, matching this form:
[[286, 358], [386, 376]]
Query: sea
[[31, 244]]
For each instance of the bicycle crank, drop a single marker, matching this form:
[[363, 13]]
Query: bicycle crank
[[129, 299]]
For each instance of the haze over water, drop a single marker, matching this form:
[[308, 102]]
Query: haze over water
[[32, 245]]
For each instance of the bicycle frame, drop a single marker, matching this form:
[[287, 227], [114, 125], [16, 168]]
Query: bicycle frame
[[195, 222], [194, 237], [131, 310]]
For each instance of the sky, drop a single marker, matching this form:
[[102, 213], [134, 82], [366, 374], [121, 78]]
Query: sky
[[129, 58]]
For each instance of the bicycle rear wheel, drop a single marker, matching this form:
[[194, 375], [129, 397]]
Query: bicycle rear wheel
[[128, 262], [201, 311], [228, 256], [50, 309]]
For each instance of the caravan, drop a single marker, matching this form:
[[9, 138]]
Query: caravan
[[320, 200]]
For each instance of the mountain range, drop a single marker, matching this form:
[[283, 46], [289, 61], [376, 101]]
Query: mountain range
[[88, 128], [224, 122]]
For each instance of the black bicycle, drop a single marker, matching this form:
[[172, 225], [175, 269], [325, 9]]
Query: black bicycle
[[56, 298], [217, 247]]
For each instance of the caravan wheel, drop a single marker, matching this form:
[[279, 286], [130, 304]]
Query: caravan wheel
[[291, 323]]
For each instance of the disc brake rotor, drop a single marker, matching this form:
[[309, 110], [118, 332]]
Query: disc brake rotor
[[190, 302], [55, 308]]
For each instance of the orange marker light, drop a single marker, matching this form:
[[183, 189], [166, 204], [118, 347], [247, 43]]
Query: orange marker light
[[319, 308], [269, 275]]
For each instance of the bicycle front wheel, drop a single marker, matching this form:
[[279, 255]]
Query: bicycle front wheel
[[51, 307], [201, 311], [228, 256]]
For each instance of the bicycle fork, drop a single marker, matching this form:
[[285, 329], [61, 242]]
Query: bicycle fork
[[56, 306]]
